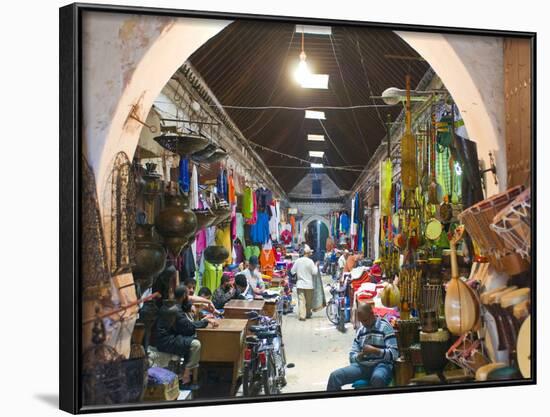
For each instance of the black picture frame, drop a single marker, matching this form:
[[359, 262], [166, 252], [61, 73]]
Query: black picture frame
[[70, 117]]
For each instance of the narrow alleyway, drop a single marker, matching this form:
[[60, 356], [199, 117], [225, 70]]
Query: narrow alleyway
[[315, 348]]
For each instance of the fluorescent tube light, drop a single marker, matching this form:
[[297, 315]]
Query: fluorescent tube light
[[315, 165], [317, 154], [316, 138]]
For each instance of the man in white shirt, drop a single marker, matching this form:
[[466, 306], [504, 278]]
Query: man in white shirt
[[305, 269], [254, 277]]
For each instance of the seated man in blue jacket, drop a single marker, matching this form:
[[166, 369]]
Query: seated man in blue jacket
[[372, 354]]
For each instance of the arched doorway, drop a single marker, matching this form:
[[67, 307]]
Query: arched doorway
[[128, 59], [316, 238]]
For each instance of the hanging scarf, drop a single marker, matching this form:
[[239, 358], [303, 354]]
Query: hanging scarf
[[183, 179]]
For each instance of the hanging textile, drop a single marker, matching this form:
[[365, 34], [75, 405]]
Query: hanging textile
[[233, 223], [360, 237], [286, 235], [259, 231], [254, 216], [221, 184], [267, 261], [232, 197], [223, 238], [239, 221], [263, 200], [352, 225], [239, 251], [194, 189], [212, 276], [251, 250], [293, 225], [274, 223], [344, 223], [385, 187], [248, 203], [183, 178]]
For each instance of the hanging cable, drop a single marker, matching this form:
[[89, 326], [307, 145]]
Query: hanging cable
[[348, 96], [359, 106]]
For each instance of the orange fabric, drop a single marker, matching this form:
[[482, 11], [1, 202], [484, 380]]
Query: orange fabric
[[267, 261], [231, 190], [293, 224]]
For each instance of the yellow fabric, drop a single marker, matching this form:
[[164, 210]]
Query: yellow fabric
[[385, 187], [223, 238]]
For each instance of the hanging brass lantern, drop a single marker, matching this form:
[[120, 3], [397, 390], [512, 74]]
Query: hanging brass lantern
[[176, 223]]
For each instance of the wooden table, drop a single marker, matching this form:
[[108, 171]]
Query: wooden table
[[237, 309], [224, 344]]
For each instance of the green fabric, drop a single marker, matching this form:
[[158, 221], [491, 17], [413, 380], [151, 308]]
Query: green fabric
[[212, 276], [248, 203], [240, 229], [251, 250]]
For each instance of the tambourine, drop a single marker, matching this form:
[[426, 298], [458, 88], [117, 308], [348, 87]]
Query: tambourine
[[433, 230]]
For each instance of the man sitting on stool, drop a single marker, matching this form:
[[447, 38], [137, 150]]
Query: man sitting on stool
[[372, 354]]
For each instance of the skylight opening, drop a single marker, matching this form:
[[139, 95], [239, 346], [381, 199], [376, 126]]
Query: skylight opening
[[312, 114], [316, 138]]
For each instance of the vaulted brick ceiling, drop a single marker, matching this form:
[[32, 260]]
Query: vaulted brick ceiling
[[251, 64]]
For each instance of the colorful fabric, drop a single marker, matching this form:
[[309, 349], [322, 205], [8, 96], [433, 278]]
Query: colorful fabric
[[267, 261], [248, 203], [251, 250], [212, 276], [183, 179], [223, 238], [259, 232]]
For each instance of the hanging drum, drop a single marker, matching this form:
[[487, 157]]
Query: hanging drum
[[461, 304]]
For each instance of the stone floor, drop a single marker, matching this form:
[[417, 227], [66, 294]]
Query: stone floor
[[316, 348]]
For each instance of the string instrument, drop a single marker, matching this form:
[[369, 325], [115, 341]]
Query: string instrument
[[461, 304]]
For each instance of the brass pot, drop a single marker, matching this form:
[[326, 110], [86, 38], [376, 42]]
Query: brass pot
[[216, 254], [150, 257], [185, 144], [176, 223]]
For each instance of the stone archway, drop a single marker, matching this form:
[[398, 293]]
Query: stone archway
[[313, 218], [472, 69], [127, 60]]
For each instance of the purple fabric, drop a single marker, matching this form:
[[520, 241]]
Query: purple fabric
[[160, 376]]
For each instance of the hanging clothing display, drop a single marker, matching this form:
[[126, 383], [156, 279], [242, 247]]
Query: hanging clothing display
[[212, 276], [239, 224], [248, 203], [183, 180], [223, 238], [259, 232], [267, 261], [286, 236], [194, 189], [231, 195], [221, 184], [274, 223], [238, 250], [251, 250], [344, 223]]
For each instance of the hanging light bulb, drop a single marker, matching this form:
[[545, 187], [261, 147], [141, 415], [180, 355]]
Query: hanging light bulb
[[302, 72]]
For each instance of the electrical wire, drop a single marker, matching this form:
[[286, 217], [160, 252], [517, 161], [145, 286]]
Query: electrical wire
[[359, 106], [347, 95]]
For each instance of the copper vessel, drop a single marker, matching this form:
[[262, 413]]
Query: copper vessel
[[216, 254], [176, 223], [150, 257]]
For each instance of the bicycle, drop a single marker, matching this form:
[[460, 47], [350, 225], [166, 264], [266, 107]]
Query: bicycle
[[264, 358], [336, 306]]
